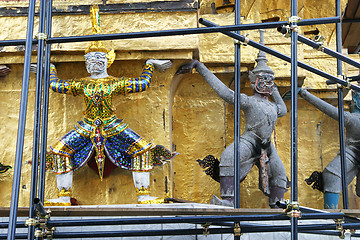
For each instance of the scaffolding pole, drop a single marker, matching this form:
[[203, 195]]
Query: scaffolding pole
[[237, 112], [311, 210], [294, 110], [320, 47], [187, 31], [21, 124], [318, 229], [172, 220], [341, 111], [282, 56], [37, 117], [45, 104], [293, 228]]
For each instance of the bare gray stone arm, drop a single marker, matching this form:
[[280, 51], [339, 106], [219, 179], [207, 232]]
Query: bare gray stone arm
[[281, 106], [323, 106], [326, 108], [219, 87]]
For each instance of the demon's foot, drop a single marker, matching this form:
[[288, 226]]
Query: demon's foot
[[222, 202], [150, 200], [61, 201], [317, 181]]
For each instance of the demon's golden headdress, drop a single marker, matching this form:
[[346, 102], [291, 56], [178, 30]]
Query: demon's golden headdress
[[98, 46]]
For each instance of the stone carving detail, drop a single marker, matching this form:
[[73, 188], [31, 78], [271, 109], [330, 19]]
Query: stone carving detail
[[4, 168], [101, 139], [255, 142], [329, 180]]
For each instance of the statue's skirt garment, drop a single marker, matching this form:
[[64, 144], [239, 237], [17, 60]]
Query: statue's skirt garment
[[120, 144]]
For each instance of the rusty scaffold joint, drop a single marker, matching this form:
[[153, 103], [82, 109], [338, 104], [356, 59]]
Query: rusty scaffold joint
[[287, 29], [319, 39], [45, 233], [246, 40], [292, 209], [40, 222], [237, 230], [345, 79], [42, 36], [340, 228], [205, 227], [294, 19]]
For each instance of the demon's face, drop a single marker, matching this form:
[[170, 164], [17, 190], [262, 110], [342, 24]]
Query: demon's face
[[96, 62], [264, 83]]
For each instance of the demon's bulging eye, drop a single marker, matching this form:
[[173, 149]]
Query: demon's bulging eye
[[261, 84]]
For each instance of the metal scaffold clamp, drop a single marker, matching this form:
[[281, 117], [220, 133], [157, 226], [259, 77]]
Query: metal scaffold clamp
[[31, 222], [340, 228], [346, 79], [348, 85], [42, 36], [292, 27], [47, 233], [246, 40], [346, 234], [319, 39], [286, 30], [205, 227], [294, 19], [40, 222], [292, 209], [237, 230], [44, 232]]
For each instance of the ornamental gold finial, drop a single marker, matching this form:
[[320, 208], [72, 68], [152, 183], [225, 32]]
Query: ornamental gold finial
[[95, 19], [98, 46]]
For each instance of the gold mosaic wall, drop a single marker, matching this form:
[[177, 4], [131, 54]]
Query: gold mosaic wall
[[179, 112]]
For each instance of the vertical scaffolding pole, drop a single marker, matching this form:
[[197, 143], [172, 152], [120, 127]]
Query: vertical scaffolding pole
[[37, 117], [45, 109], [237, 112], [21, 125], [341, 111], [293, 24]]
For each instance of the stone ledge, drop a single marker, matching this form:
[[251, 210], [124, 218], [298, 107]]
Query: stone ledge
[[78, 56], [169, 209]]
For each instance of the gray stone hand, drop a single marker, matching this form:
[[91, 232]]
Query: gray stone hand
[[186, 68], [33, 67], [160, 65]]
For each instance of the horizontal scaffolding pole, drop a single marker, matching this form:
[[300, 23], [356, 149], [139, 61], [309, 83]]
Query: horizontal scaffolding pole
[[312, 210], [173, 32], [353, 20], [199, 219], [19, 224], [280, 55], [195, 219], [318, 229]]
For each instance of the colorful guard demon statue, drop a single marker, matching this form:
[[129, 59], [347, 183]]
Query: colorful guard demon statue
[[101, 138], [329, 181], [255, 142]]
